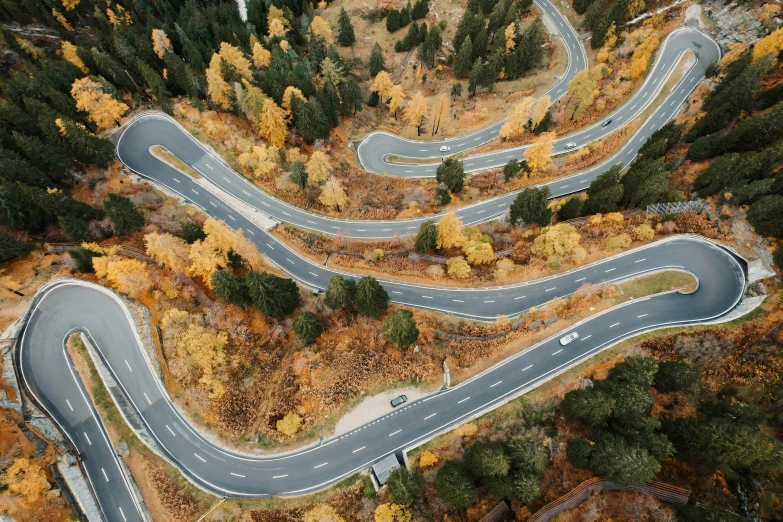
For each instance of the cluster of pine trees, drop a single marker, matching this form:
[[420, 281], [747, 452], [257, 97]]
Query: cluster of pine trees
[[746, 159], [627, 444], [600, 15], [489, 45], [113, 57], [397, 19]]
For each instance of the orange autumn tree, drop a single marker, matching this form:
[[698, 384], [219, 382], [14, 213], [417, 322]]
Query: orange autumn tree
[[272, 124], [160, 42], [169, 250], [217, 88], [70, 54], [416, 111], [101, 108], [129, 276], [515, 124], [539, 154], [318, 167], [211, 253], [450, 232]]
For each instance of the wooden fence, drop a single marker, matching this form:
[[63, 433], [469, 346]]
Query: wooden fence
[[657, 490]]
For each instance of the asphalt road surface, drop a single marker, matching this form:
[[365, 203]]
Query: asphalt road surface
[[66, 306], [375, 148], [377, 145], [157, 129], [69, 305]]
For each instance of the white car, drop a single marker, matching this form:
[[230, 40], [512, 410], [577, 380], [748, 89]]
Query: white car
[[570, 145], [445, 148], [568, 339]]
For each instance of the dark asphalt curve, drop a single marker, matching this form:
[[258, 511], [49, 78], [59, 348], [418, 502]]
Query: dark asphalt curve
[[150, 129], [377, 145], [375, 148], [67, 305]]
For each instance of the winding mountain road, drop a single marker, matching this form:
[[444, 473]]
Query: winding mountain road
[[64, 307]]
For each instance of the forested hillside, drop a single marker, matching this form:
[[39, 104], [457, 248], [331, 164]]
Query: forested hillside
[[99, 61]]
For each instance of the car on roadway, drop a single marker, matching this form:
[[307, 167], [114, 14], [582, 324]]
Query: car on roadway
[[402, 399], [570, 145], [606, 123], [445, 148], [568, 339]]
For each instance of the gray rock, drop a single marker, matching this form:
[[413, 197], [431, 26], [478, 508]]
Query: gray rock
[[122, 449], [47, 428]]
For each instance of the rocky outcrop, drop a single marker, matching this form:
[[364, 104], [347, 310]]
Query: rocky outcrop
[[739, 22]]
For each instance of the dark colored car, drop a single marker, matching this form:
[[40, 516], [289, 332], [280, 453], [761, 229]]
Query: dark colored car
[[606, 123], [402, 399]]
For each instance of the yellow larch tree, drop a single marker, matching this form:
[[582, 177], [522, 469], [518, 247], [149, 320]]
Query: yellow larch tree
[[202, 348], [160, 42], [416, 111], [322, 513], [332, 194], [772, 43], [396, 99], [510, 34], [205, 259], [289, 424], [237, 58], [25, 477], [560, 240], [62, 20], [120, 16], [635, 7], [515, 124], [129, 276], [581, 93], [70, 54], [272, 124], [539, 154], [277, 23], [320, 27], [392, 513], [318, 167], [101, 108], [382, 84], [642, 55], [288, 95], [169, 250], [261, 56], [441, 113], [450, 232], [478, 252], [70, 5], [539, 110], [218, 88]]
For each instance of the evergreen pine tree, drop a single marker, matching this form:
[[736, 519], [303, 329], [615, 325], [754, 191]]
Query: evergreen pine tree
[[427, 237], [351, 97], [340, 293], [275, 296], [464, 61], [604, 192], [308, 326], [531, 206], [345, 34], [371, 298], [377, 61], [230, 287], [123, 215]]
